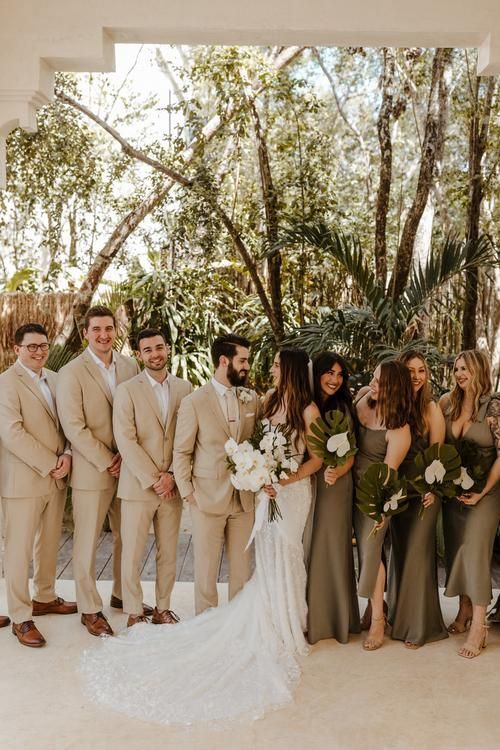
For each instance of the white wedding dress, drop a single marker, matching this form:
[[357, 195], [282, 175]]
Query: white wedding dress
[[234, 661]]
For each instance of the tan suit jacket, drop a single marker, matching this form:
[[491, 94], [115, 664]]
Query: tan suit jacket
[[31, 436], [144, 442], [86, 413], [200, 464]]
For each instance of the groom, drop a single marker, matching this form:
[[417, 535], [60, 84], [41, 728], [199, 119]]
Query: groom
[[207, 418]]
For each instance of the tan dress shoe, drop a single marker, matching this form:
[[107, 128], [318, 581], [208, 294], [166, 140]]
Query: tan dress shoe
[[56, 607], [164, 617], [118, 604], [28, 634], [4, 621], [97, 624], [134, 619]]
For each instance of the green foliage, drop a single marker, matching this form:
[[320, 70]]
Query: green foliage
[[448, 460], [477, 462], [381, 492], [381, 326], [333, 423]]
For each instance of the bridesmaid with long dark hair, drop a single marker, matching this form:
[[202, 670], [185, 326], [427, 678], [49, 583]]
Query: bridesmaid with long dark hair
[[384, 414], [472, 414], [331, 586], [413, 595]]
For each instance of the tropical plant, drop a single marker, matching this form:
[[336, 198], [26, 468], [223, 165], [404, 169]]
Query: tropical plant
[[381, 325]]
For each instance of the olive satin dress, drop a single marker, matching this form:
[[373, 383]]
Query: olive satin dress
[[469, 531], [413, 596], [372, 449], [332, 602]]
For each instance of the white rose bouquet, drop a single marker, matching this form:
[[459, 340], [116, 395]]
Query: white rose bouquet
[[263, 459]]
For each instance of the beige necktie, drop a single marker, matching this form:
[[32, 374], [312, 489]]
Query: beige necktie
[[232, 412]]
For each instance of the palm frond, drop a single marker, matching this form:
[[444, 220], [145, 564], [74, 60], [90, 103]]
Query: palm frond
[[443, 263], [346, 249]]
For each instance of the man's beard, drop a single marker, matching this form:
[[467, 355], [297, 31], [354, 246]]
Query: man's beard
[[236, 377]]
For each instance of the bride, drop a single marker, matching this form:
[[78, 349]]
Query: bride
[[239, 659]]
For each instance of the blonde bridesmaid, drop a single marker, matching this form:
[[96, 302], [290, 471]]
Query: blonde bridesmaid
[[472, 413]]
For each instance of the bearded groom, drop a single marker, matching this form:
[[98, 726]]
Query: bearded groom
[[207, 418]]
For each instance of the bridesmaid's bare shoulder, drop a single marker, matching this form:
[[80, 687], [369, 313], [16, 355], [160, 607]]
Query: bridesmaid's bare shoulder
[[444, 401]]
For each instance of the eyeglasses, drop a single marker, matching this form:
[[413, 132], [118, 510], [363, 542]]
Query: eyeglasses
[[35, 347]]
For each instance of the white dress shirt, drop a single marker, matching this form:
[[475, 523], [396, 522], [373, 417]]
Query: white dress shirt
[[40, 379], [229, 404], [109, 372], [162, 393]]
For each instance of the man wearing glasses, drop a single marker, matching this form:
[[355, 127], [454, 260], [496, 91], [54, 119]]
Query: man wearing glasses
[[34, 464]]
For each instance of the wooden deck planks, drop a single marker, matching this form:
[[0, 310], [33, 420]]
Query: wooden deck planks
[[185, 560]]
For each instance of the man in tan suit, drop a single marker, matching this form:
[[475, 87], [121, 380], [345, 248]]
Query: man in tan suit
[[85, 391], [207, 419], [144, 420], [33, 468]]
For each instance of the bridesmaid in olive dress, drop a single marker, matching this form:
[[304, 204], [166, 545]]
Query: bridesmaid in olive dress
[[332, 601], [413, 595], [472, 413], [384, 412]]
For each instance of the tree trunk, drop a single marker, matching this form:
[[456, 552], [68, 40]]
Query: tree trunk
[[83, 298], [71, 334], [478, 137], [270, 200], [432, 151], [384, 186]]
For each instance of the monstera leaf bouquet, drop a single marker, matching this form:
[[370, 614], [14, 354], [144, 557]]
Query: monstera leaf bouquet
[[381, 493], [332, 439], [476, 462], [437, 469]]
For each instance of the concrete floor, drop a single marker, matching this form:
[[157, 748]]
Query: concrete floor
[[391, 699]]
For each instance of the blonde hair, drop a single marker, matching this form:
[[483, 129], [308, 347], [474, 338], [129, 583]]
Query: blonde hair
[[479, 367]]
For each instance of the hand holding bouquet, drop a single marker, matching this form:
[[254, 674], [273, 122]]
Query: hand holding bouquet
[[332, 439], [436, 469], [381, 493], [476, 463], [262, 460]]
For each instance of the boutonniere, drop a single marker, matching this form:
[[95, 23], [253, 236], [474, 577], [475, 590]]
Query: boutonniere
[[244, 395]]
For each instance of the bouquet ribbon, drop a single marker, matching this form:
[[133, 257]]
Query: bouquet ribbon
[[261, 512]]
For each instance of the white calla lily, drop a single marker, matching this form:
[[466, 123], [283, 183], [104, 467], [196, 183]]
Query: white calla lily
[[464, 480], [338, 444], [393, 502], [435, 472]]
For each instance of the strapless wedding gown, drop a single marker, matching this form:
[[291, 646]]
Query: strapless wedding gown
[[234, 661]]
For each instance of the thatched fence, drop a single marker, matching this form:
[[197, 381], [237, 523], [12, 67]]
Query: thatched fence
[[17, 308]]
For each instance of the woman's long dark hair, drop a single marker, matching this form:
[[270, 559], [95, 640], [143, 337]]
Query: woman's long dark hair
[[342, 400], [394, 405], [424, 396], [293, 392]]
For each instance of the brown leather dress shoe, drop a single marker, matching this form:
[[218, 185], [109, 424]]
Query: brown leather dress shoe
[[4, 621], [97, 624], [27, 634], [134, 619], [56, 607], [118, 604], [164, 617]]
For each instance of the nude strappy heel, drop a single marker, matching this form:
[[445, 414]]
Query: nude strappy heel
[[470, 652], [372, 644]]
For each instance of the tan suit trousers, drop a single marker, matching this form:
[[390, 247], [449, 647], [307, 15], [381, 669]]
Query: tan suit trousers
[[210, 532], [32, 531], [137, 516], [90, 508]]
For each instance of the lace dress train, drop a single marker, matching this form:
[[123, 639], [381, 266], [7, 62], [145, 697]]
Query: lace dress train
[[235, 661]]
